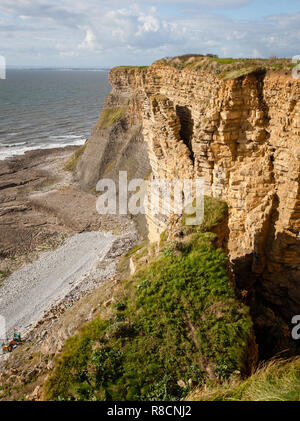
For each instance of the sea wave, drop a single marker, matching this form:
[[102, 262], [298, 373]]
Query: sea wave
[[49, 109], [15, 145], [14, 150]]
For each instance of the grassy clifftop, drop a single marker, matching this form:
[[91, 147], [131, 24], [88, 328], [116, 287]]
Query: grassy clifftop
[[139, 68], [227, 68], [173, 325]]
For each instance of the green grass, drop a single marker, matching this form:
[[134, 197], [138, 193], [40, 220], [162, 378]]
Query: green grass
[[223, 67], [131, 67], [72, 162], [135, 249], [277, 380], [224, 60], [214, 212], [110, 116], [234, 74], [227, 68], [175, 317]]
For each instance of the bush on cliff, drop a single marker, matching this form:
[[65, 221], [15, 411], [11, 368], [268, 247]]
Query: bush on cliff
[[175, 323], [276, 380], [110, 116]]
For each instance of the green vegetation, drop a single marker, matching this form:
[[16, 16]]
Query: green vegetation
[[135, 249], [224, 60], [234, 74], [274, 381], [214, 211], [174, 319], [72, 163], [3, 275], [110, 116], [227, 68], [131, 67], [160, 97]]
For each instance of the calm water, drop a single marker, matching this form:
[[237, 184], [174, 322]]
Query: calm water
[[49, 108]]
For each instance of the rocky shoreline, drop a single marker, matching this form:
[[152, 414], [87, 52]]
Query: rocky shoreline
[[41, 209]]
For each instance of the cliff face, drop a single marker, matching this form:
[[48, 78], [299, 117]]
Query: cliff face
[[242, 134], [116, 143]]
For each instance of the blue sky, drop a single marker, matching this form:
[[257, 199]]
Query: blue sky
[[113, 32]]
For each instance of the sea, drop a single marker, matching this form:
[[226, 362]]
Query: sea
[[43, 109]]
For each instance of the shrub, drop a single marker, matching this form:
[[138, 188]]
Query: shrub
[[110, 116]]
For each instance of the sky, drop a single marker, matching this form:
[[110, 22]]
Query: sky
[[106, 33]]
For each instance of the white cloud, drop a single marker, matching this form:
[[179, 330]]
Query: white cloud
[[148, 24], [110, 32], [132, 28], [89, 41]]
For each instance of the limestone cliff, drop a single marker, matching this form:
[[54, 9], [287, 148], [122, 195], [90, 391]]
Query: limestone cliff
[[238, 128]]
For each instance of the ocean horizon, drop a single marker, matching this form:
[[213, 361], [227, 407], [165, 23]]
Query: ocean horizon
[[48, 108]]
